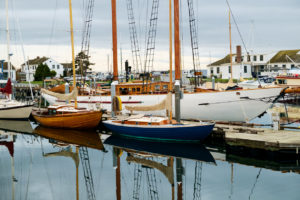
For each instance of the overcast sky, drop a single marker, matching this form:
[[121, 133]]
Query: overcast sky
[[266, 26]]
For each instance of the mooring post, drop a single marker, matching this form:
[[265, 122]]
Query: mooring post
[[276, 123], [113, 94], [67, 90], [177, 100]]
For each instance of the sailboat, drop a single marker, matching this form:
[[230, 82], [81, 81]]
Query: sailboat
[[162, 128], [9, 108], [68, 116], [241, 106]]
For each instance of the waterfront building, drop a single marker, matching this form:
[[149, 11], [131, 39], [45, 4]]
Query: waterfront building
[[33, 65], [253, 65]]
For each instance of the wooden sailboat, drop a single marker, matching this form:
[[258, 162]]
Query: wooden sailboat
[[162, 128], [68, 116]]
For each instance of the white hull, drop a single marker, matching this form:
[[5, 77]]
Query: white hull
[[242, 105], [14, 110]]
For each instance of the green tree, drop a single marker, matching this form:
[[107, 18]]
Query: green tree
[[42, 71], [82, 62], [53, 73]]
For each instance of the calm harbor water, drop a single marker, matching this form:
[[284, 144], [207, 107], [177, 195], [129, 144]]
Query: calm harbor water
[[43, 164]]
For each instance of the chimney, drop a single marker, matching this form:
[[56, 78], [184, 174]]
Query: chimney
[[238, 54]]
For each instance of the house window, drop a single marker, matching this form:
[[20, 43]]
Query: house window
[[218, 70], [53, 66], [254, 58], [133, 89], [212, 71], [57, 66], [165, 87], [292, 66], [261, 57], [262, 68], [245, 69], [248, 58], [138, 89], [284, 66], [229, 69]]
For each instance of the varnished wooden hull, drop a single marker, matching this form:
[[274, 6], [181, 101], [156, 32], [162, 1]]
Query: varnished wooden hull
[[85, 120]]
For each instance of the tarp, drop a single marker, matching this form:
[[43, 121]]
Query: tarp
[[7, 89]]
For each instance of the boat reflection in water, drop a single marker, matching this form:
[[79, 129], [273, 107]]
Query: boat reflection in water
[[147, 155], [67, 164]]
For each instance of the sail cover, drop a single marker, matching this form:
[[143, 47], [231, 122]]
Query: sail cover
[[165, 104], [7, 89], [64, 97]]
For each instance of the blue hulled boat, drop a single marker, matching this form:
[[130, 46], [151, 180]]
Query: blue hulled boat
[[159, 128]]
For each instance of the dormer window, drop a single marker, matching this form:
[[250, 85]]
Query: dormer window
[[261, 58]]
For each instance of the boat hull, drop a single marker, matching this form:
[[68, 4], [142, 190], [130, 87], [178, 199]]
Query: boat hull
[[185, 133], [21, 112], [87, 120], [239, 105]]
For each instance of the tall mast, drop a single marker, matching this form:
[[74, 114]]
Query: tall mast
[[170, 52], [8, 40], [114, 38], [170, 47], [72, 44], [230, 48], [177, 40], [177, 60]]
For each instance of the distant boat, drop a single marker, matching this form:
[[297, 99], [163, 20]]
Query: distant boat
[[261, 82], [12, 109]]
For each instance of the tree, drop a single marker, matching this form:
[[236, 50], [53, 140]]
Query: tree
[[53, 73], [42, 71], [82, 62]]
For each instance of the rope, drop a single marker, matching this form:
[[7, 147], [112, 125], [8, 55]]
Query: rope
[[237, 27], [268, 100]]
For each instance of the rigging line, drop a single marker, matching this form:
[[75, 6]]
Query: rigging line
[[252, 190], [52, 27], [22, 46], [237, 27]]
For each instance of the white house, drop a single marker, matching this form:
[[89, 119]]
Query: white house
[[252, 65], [34, 63]]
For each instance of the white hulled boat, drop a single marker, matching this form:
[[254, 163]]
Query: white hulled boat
[[238, 105]]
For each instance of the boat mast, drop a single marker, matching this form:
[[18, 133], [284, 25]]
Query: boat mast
[[114, 38], [72, 43], [231, 80], [177, 60], [8, 41], [170, 52]]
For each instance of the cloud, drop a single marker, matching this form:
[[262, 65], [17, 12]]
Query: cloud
[[264, 26]]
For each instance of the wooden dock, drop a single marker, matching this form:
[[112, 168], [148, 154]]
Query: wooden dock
[[259, 138]]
